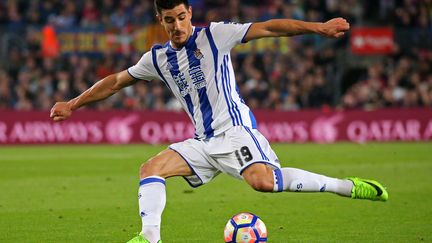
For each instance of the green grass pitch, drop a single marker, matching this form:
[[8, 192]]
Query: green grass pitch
[[89, 194]]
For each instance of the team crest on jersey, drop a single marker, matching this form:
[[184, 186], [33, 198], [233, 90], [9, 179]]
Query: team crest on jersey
[[198, 54]]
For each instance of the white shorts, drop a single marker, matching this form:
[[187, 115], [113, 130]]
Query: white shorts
[[230, 152]]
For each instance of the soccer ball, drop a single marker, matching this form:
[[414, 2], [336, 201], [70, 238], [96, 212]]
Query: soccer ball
[[245, 228]]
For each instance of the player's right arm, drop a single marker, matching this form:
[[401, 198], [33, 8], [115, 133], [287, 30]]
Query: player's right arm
[[99, 91]]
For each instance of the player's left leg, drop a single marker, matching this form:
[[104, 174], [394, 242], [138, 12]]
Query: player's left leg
[[188, 159], [151, 193]]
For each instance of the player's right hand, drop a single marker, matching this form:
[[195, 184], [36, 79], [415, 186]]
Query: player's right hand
[[60, 111]]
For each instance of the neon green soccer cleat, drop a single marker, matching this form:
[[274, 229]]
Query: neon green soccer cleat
[[368, 189], [140, 239]]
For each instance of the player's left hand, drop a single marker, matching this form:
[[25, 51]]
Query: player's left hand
[[334, 28]]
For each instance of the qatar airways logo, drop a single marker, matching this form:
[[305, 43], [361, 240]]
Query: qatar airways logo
[[119, 130], [49, 132], [324, 129], [389, 130], [320, 130]]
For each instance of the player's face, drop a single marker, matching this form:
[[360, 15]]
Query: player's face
[[177, 24]]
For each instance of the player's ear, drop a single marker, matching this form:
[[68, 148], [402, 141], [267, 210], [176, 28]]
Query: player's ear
[[190, 11], [159, 17]]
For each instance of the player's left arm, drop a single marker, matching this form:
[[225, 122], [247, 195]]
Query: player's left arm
[[289, 27]]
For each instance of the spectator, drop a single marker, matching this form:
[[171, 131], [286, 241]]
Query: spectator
[[90, 15]]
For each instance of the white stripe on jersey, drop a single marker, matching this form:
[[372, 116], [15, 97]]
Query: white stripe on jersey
[[202, 78]]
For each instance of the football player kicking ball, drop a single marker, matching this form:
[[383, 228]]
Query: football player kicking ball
[[196, 66]]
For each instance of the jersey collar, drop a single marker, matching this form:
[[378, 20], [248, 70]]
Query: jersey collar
[[189, 42]]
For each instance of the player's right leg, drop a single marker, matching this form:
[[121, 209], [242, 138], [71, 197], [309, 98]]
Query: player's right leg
[[260, 168], [151, 193], [297, 180], [263, 178]]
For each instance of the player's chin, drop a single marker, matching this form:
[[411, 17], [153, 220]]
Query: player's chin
[[179, 41]]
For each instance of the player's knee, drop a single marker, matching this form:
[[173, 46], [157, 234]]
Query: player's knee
[[262, 185], [260, 182], [259, 177]]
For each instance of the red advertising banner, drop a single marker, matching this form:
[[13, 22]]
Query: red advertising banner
[[121, 127], [372, 41]]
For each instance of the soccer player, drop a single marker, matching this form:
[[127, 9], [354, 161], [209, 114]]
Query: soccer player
[[196, 66]]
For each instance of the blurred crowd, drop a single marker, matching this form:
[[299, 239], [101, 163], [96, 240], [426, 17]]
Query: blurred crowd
[[404, 82], [310, 76]]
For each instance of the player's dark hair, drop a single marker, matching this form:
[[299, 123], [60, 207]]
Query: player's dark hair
[[168, 4]]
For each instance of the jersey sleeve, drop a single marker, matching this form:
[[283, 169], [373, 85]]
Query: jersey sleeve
[[144, 69], [228, 34]]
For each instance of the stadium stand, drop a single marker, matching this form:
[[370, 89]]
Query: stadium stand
[[37, 68]]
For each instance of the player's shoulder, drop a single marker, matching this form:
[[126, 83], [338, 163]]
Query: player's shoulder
[[223, 28], [226, 22], [156, 47], [152, 54], [223, 24]]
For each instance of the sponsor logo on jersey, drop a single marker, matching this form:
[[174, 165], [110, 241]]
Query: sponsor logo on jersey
[[182, 83], [197, 76]]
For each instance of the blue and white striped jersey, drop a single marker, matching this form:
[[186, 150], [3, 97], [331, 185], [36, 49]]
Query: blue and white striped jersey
[[201, 76]]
